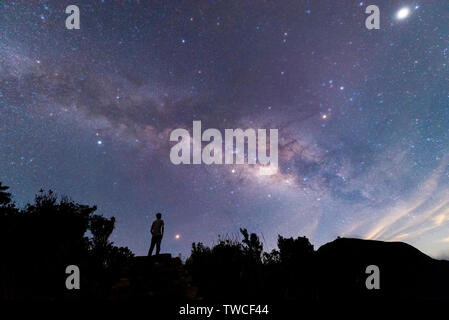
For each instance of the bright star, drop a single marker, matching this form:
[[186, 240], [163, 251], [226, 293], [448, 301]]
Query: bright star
[[403, 13], [177, 236], [99, 142]]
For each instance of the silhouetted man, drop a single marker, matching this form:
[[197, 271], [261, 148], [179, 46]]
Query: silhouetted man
[[157, 231]]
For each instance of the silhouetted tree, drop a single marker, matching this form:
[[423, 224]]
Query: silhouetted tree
[[39, 241], [101, 229], [5, 197], [252, 245], [108, 259], [294, 251], [297, 267]]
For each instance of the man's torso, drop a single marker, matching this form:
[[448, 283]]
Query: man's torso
[[156, 227]]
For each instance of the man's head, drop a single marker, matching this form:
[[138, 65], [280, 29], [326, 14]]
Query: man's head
[[158, 215]]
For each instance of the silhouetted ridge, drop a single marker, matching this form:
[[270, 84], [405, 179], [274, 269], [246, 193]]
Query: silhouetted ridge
[[371, 247], [405, 272]]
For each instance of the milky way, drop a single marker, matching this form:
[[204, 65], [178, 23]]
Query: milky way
[[363, 116]]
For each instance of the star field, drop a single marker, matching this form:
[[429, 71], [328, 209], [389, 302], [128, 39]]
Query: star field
[[363, 116]]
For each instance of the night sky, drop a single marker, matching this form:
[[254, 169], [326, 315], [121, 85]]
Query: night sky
[[363, 116]]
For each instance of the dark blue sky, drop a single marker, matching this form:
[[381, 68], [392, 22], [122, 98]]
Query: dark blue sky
[[363, 116]]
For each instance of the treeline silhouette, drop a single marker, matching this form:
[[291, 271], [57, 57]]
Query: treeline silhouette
[[237, 270], [39, 241]]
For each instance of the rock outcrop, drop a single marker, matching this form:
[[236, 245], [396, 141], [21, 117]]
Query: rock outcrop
[[156, 277]]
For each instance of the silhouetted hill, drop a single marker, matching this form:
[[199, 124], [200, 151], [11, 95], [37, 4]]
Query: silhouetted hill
[[405, 272]]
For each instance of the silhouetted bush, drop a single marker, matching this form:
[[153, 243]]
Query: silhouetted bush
[[38, 242], [232, 266], [233, 269]]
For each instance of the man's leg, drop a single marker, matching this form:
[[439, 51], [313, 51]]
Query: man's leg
[[153, 242], [158, 244]]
